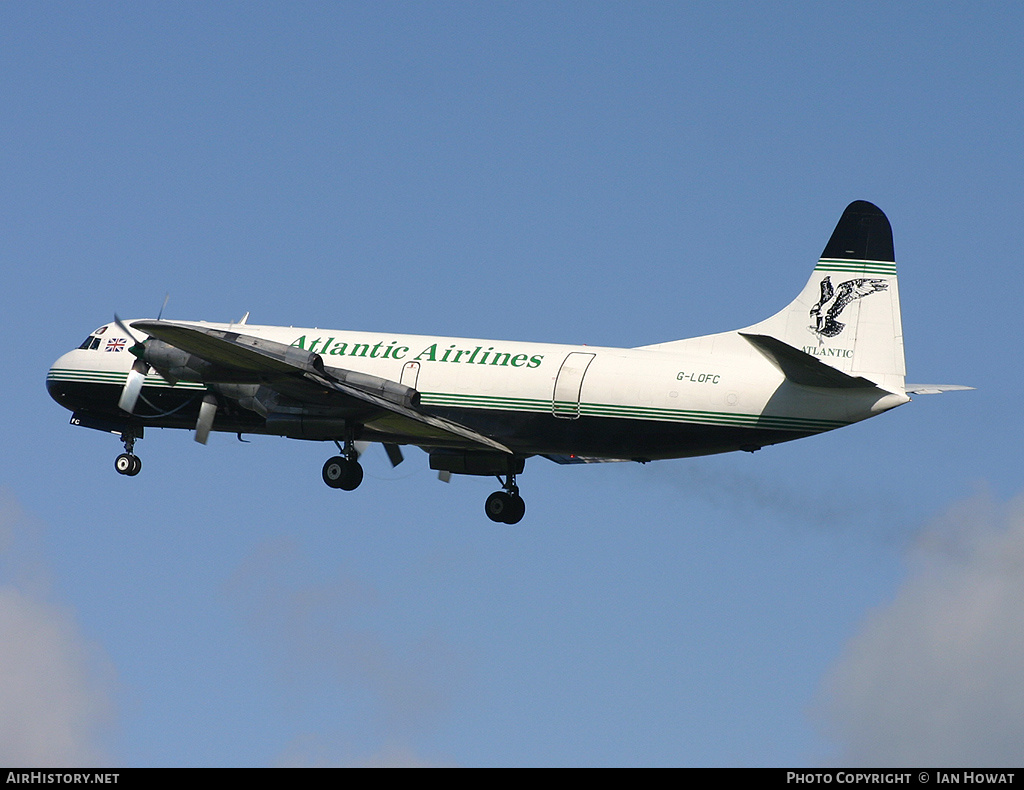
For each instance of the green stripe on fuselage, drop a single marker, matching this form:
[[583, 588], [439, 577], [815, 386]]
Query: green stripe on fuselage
[[114, 377], [493, 402]]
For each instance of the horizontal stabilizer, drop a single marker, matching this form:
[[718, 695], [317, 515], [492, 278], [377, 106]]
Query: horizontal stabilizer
[[934, 389], [800, 367]]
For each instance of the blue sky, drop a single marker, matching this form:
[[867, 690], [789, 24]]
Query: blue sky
[[603, 173]]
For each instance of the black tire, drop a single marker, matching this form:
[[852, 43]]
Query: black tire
[[516, 510], [136, 466], [498, 506], [334, 471], [352, 476], [124, 464], [342, 473]]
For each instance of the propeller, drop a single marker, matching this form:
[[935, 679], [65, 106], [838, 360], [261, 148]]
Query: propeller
[[137, 375], [207, 411], [138, 349], [133, 386], [394, 453], [393, 450]]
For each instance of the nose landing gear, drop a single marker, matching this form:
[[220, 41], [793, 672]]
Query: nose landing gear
[[127, 463]]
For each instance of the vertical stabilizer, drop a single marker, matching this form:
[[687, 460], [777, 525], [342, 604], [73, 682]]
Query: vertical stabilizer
[[848, 314]]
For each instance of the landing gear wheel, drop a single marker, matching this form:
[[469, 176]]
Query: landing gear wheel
[[497, 505], [516, 511], [505, 508], [334, 469], [342, 473], [127, 464], [352, 477]]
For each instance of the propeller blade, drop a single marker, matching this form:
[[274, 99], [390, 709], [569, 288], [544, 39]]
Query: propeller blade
[[360, 447], [124, 327], [207, 411], [444, 476], [138, 348], [394, 453], [133, 386]]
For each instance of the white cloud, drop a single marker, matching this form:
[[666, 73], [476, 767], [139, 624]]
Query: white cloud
[[54, 694], [934, 677]]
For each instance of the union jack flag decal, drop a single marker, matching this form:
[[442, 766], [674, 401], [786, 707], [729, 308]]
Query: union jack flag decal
[[115, 344]]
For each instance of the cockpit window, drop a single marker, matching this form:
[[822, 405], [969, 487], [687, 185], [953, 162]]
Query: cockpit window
[[92, 342]]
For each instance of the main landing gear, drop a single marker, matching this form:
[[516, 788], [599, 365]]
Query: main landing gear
[[506, 507], [344, 471], [127, 463]]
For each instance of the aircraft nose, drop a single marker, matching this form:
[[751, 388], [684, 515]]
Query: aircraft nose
[[58, 376]]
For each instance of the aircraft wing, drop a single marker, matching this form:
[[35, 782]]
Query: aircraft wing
[[302, 375]]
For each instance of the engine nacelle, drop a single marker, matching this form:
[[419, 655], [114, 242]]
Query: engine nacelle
[[304, 426], [385, 388], [475, 462], [174, 365]]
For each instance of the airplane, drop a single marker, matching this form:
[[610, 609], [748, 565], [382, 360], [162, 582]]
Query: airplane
[[832, 357]]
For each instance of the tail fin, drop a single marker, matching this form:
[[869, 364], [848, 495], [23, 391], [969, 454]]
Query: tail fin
[[848, 314]]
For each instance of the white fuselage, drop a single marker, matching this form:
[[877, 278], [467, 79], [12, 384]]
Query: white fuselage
[[716, 386]]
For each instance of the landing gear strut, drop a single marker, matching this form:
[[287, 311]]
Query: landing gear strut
[[506, 507], [344, 471], [127, 463]]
